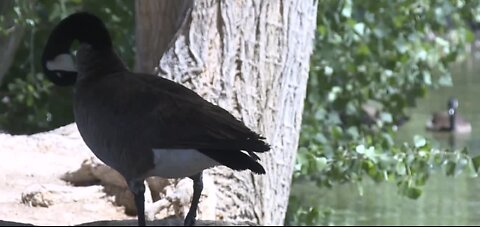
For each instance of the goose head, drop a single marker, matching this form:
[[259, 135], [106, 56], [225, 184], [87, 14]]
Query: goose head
[[57, 61]]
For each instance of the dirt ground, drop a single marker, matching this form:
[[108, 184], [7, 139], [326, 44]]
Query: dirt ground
[[32, 190], [23, 173]]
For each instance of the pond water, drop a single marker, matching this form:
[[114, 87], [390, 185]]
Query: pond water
[[445, 200], [466, 89]]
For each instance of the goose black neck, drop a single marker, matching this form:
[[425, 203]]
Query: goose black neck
[[451, 115], [84, 27]]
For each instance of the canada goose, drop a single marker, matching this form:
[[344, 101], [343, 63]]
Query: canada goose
[[450, 120], [143, 125]]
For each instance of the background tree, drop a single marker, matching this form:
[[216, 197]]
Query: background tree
[[28, 102], [12, 33]]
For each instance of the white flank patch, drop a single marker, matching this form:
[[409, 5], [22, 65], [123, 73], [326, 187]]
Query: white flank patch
[[62, 62], [176, 163]]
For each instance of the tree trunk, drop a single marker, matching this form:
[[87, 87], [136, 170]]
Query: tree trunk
[[250, 57], [11, 39], [157, 22]]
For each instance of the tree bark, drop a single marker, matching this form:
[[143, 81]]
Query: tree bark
[[250, 57], [10, 41], [156, 23]]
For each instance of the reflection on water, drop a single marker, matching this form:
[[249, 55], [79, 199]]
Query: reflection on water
[[446, 200]]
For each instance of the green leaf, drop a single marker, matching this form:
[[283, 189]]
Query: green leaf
[[422, 179], [401, 169], [360, 149], [476, 162], [445, 80], [363, 49], [469, 36], [419, 141], [359, 28], [471, 169], [321, 163], [347, 9], [413, 192], [450, 168], [312, 216], [386, 117]]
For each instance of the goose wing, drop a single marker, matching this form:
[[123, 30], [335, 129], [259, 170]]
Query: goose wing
[[169, 115]]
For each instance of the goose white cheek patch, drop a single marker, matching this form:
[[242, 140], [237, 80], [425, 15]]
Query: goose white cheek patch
[[63, 62]]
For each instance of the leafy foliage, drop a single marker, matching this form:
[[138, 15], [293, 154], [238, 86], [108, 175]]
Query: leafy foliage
[[372, 60], [29, 103]]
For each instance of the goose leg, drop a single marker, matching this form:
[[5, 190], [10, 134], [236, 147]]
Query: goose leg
[[197, 191], [138, 189]]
